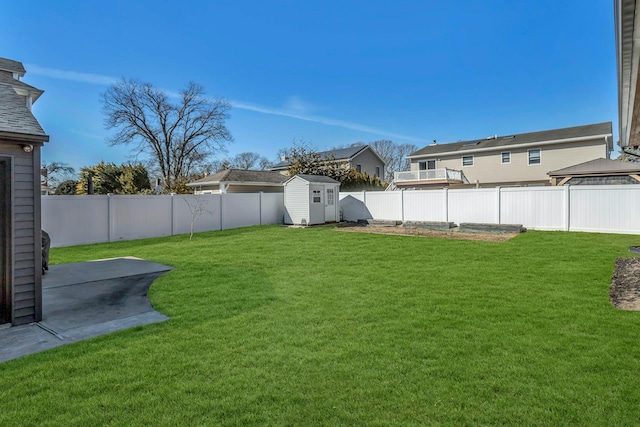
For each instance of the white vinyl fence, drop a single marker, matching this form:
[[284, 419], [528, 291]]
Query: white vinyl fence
[[76, 220], [595, 208]]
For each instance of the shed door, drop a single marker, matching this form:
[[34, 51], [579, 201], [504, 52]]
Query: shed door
[[316, 204], [5, 270], [330, 205]]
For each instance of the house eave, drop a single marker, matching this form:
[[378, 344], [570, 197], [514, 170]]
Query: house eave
[[606, 137], [18, 138]]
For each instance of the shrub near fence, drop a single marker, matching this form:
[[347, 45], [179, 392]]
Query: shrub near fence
[[76, 220], [597, 208]]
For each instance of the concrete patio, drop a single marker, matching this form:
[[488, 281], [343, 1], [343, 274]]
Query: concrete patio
[[86, 299]]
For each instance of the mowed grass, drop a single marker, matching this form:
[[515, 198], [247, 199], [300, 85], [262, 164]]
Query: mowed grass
[[279, 326]]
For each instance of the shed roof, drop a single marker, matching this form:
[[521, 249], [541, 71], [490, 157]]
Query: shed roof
[[315, 179], [598, 167], [497, 142], [240, 175]]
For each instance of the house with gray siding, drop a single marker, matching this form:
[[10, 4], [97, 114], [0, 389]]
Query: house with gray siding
[[21, 138], [362, 158]]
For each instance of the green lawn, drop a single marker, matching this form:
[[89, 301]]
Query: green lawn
[[279, 326]]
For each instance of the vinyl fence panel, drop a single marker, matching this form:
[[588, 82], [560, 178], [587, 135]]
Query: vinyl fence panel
[[605, 208], [425, 205], [240, 210], [541, 208], [478, 205], [385, 205], [353, 207], [76, 220], [272, 208], [139, 217], [202, 209]]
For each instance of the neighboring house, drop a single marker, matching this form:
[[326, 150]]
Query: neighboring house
[[239, 181], [597, 172], [627, 50], [511, 160], [362, 158], [311, 199], [21, 138]]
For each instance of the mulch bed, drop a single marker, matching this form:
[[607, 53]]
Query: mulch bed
[[625, 284], [419, 232]]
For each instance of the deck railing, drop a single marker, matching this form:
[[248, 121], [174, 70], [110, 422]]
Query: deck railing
[[428, 175]]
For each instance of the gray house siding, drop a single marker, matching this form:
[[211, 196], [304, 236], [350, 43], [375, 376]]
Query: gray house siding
[[24, 244]]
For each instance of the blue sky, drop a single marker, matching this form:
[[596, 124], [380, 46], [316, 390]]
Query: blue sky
[[327, 72]]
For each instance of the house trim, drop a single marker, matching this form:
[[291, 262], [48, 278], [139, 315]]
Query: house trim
[[512, 146]]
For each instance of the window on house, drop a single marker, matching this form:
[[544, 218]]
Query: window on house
[[506, 157], [534, 156], [467, 160], [378, 171], [427, 165], [316, 196], [359, 168]]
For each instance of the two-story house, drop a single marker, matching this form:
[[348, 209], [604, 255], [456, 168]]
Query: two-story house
[[362, 158], [511, 160]]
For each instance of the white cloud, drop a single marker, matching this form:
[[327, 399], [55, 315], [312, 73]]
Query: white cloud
[[295, 107], [75, 76], [324, 120]]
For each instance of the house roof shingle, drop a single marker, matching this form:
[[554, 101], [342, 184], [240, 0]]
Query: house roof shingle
[[517, 139], [240, 175], [12, 66], [15, 116], [598, 167]]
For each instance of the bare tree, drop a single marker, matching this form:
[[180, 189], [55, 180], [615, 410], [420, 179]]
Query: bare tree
[[250, 161], [197, 207], [56, 172], [394, 156], [178, 136]]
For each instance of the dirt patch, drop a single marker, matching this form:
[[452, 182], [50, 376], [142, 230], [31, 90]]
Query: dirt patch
[[625, 284], [419, 232]]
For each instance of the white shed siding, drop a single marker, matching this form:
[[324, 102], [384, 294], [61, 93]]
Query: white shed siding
[[296, 201]]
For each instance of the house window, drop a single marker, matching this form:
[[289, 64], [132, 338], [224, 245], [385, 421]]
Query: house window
[[427, 165], [467, 160], [316, 196], [359, 168], [534, 156], [378, 171], [506, 157]]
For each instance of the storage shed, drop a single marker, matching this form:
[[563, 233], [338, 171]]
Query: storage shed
[[21, 137], [311, 199]]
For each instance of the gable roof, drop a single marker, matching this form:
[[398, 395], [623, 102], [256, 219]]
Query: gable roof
[[315, 179], [340, 154], [15, 115], [546, 136], [598, 167], [240, 175], [12, 66]]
